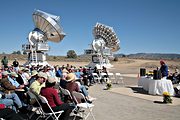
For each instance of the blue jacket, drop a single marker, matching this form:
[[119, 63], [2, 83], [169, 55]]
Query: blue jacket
[[164, 70]]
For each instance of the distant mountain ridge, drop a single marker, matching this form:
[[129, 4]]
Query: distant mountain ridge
[[151, 56]]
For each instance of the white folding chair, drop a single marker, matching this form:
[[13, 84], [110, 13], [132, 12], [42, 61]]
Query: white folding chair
[[54, 115], [112, 77], [83, 106], [119, 78], [96, 77], [67, 93], [33, 100], [104, 77]]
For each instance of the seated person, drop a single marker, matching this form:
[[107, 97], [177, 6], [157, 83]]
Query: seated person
[[54, 100], [9, 90], [9, 114], [63, 82], [12, 79], [39, 83], [72, 85], [34, 76], [7, 102], [177, 91], [22, 79], [176, 77]]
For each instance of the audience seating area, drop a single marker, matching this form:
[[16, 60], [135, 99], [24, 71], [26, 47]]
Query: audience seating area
[[28, 75]]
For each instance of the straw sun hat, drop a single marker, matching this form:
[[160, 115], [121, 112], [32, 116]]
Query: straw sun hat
[[14, 74], [70, 77], [65, 71], [5, 73], [34, 72], [41, 74], [51, 79]]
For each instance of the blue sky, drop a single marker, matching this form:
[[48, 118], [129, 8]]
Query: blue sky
[[143, 26]]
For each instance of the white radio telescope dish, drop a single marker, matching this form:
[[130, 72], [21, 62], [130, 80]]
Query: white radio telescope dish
[[46, 29], [48, 24], [107, 34], [104, 45]]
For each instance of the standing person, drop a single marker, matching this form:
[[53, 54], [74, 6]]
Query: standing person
[[163, 69], [4, 62], [16, 65]]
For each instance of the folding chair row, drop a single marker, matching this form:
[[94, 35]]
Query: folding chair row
[[43, 114], [66, 94], [54, 115], [96, 77], [102, 77], [81, 108], [116, 78], [87, 107], [35, 103]]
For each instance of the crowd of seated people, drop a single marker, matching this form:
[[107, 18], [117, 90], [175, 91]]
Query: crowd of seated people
[[45, 81], [174, 77]]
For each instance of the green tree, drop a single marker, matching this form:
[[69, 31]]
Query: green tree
[[14, 52], [116, 59], [18, 52], [24, 53], [123, 55], [71, 54]]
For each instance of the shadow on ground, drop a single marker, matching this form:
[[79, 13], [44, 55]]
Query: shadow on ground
[[159, 102], [138, 90]]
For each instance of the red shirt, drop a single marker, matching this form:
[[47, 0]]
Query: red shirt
[[51, 95]]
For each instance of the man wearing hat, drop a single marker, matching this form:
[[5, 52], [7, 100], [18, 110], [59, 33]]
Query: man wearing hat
[[21, 79], [12, 79], [34, 74], [39, 83], [9, 90], [73, 85]]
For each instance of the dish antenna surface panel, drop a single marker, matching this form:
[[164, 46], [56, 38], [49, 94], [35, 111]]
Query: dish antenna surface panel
[[48, 24], [107, 34], [105, 43], [46, 29]]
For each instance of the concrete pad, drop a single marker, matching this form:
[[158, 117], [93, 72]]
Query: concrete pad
[[135, 91], [130, 75]]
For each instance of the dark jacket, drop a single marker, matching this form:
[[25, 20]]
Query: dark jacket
[[6, 84], [164, 70]]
